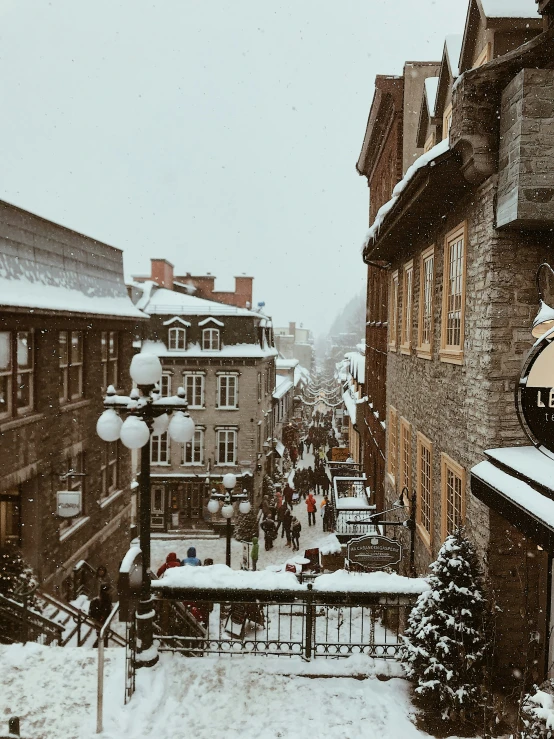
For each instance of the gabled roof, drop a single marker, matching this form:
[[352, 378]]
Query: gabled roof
[[427, 110], [387, 100], [163, 301], [449, 70]]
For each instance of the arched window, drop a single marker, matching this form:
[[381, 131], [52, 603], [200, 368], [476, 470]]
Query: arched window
[[210, 339], [177, 339]]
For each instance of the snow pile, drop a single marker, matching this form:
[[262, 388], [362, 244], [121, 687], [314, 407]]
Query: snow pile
[[371, 582], [537, 711], [329, 545], [510, 8], [422, 161], [221, 576]]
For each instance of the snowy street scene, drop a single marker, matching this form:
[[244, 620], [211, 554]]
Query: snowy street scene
[[277, 370]]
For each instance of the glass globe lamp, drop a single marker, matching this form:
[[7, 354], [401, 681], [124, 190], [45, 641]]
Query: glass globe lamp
[[146, 369], [134, 433], [108, 426]]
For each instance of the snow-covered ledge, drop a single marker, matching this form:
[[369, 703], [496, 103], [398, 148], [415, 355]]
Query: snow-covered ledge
[[79, 523]]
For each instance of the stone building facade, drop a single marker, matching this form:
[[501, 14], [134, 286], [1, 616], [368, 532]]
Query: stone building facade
[[66, 331], [224, 357], [463, 239]]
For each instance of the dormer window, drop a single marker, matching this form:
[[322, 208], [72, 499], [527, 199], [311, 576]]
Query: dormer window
[[210, 339], [177, 339]]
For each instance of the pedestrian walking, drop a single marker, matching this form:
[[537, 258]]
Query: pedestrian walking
[[311, 505], [255, 552], [170, 561], [328, 517], [287, 523], [99, 610], [295, 529], [294, 456], [287, 494], [270, 532], [301, 449], [103, 578]]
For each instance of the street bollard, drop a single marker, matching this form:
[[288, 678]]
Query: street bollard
[[13, 729]]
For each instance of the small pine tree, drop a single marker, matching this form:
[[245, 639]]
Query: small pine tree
[[16, 582], [287, 462], [268, 488], [246, 526], [444, 645], [537, 713]]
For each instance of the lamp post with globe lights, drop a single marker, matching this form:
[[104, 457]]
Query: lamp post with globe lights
[[145, 414], [227, 510]]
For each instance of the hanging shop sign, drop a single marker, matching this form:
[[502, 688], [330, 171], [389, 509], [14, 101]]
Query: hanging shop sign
[[69, 503], [374, 552], [535, 395]]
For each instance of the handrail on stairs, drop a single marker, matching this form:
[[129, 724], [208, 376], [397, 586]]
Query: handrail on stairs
[[100, 693]]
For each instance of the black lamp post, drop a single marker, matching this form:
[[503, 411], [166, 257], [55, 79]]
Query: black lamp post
[[145, 414], [227, 510]]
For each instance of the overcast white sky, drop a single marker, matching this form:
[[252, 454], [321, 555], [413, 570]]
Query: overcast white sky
[[221, 135]]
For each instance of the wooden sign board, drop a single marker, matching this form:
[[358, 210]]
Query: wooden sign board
[[374, 552], [340, 453]]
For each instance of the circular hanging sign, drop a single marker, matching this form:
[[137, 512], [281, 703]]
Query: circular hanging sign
[[535, 395]]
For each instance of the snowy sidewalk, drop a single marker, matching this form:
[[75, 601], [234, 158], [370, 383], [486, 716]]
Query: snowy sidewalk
[[53, 690]]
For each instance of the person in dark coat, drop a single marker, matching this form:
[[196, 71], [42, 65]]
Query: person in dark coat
[[100, 608], [255, 552], [270, 532], [287, 522], [103, 578], [295, 529], [301, 449], [191, 558], [287, 494], [325, 483], [170, 561]]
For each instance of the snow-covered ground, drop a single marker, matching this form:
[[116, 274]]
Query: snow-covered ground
[[53, 691]]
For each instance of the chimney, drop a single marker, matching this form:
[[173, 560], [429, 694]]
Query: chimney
[[243, 291], [162, 273], [292, 328]]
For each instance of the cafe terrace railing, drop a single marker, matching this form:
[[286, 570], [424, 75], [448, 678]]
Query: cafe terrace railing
[[350, 499], [267, 613]]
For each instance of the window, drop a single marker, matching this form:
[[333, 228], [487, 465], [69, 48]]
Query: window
[[110, 358], [193, 452], [407, 302], [405, 454], [452, 495], [447, 121], [453, 304], [210, 339], [393, 311], [10, 518], [16, 372], [71, 365], [259, 387], [426, 290], [424, 488], [159, 451], [226, 446], [484, 56], [165, 385], [227, 391], [393, 443], [177, 339], [109, 469], [194, 389], [429, 142]]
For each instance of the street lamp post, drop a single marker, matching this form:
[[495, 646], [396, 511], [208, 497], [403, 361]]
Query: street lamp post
[[146, 414], [227, 510]]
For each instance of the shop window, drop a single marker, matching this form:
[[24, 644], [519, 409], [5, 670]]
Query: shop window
[[452, 495], [424, 488], [453, 304], [426, 290]]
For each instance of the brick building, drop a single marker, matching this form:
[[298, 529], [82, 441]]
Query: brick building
[[66, 332], [388, 149], [223, 354], [462, 237]]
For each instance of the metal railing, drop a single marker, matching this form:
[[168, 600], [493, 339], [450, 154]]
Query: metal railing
[[26, 623], [309, 624], [102, 637]]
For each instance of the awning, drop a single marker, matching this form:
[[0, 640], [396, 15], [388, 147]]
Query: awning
[[516, 490], [279, 448]]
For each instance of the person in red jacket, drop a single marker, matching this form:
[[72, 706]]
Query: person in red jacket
[[170, 561], [311, 505]]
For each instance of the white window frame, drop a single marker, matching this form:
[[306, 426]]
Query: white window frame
[[177, 339], [160, 450], [227, 391], [71, 391], [194, 379], [196, 448], [211, 339], [228, 438], [165, 385], [110, 358]]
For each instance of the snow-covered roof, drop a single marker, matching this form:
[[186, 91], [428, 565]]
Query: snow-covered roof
[[350, 404], [195, 350], [453, 47], [356, 365], [301, 374], [528, 461], [521, 494], [510, 8], [425, 159], [431, 86], [281, 363], [161, 300], [282, 386]]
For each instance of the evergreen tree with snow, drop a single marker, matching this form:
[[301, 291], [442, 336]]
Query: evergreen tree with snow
[[445, 644], [268, 488], [246, 526], [287, 462], [537, 713], [17, 582]]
